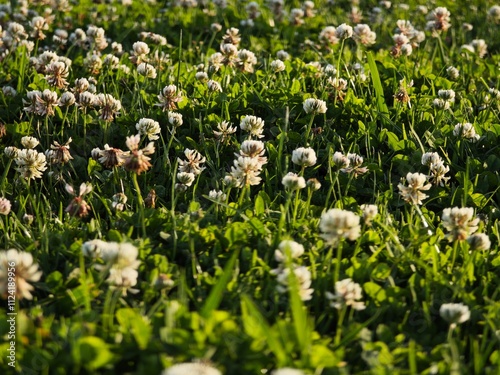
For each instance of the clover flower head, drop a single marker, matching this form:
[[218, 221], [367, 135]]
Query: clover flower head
[[304, 157], [413, 192], [459, 222], [336, 224], [347, 293], [314, 106], [26, 271], [454, 313], [292, 181]]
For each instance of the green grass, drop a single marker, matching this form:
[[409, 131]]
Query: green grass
[[195, 277]]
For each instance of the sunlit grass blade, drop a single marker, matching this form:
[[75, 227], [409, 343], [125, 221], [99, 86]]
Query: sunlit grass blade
[[217, 292]]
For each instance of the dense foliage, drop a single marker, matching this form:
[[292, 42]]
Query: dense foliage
[[254, 187]]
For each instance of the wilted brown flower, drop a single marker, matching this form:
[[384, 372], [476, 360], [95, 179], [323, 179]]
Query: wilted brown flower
[[137, 161], [78, 206], [59, 154]]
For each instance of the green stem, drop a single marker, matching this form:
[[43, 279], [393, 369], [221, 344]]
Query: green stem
[[454, 255], [83, 281], [309, 127], [336, 273], [338, 333], [140, 203], [4, 175]]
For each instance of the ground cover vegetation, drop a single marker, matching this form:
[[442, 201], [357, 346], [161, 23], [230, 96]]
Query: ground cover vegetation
[[236, 187]]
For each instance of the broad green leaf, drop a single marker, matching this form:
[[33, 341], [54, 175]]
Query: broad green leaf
[[375, 291], [131, 320], [91, 352], [256, 326]]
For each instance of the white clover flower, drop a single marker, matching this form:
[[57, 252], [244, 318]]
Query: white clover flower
[[175, 119], [459, 222], [119, 201], [124, 278], [406, 49], [287, 371], [194, 162], [439, 20], [109, 106], [288, 249], [454, 313], [140, 50], [448, 95], [246, 60], [201, 76], [313, 184], [296, 16], [214, 86], [246, 172], [494, 14], [277, 66], [195, 368], [304, 157], [292, 181], [467, 48], [347, 293], [217, 195], [25, 271], [364, 35], [441, 104], [430, 158], [343, 31], [282, 55], [369, 212], [146, 70], [11, 152], [120, 255], [30, 163], [29, 142], [216, 27], [253, 125], [94, 248], [413, 192], [336, 224], [354, 165], [466, 130], [67, 99], [330, 71], [340, 160], [452, 72], [438, 172], [479, 241], [186, 178], [9, 91], [148, 127], [168, 98], [5, 206], [253, 149], [314, 106], [224, 131], [480, 47], [303, 276]]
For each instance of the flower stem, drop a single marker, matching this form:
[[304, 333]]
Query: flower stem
[[309, 127], [4, 174], [336, 273], [340, 321], [140, 203]]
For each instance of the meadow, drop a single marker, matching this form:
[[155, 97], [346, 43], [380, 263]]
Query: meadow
[[197, 187]]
